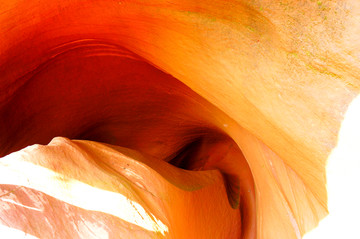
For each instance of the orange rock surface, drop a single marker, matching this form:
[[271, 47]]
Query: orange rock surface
[[179, 119]]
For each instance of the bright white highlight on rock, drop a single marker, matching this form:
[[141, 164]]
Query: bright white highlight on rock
[[8, 232], [343, 181], [16, 172]]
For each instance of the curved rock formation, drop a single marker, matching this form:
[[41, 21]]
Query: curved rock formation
[[179, 119]]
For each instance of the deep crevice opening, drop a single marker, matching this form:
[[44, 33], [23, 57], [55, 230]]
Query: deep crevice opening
[[124, 101]]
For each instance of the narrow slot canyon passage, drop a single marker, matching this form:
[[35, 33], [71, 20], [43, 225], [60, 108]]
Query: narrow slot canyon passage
[[126, 102], [179, 119]]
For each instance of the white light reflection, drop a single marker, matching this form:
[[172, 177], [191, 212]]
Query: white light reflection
[[19, 204], [343, 182], [16, 172], [8, 232]]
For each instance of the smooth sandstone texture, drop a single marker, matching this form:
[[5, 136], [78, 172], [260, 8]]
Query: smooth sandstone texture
[[263, 92], [139, 197]]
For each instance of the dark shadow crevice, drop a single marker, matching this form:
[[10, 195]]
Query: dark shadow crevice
[[89, 92]]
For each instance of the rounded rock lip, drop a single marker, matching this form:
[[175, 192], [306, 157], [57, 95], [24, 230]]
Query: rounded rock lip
[[92, 90], [288, 104]]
